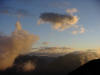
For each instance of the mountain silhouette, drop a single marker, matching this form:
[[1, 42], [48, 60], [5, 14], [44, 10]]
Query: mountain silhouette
[[45, 65], [90, 68], [71, 61]]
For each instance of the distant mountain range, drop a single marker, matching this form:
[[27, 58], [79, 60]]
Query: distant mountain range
[[59, 65], [72, 61]]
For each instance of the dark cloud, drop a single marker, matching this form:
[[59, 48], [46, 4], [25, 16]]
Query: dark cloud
[[58, 21], [14, 11], [5, 7]]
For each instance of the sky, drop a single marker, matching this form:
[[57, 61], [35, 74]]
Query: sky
[[83, 34]]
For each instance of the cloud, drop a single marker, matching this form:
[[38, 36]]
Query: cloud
[[18, 26], [52, 51], [4, 11], [11, 11], [20, 41], [75, 32], [5, 8], [45, 43], [28, 66], [79, 30], [58, 21], [72, 11], [82, 30]]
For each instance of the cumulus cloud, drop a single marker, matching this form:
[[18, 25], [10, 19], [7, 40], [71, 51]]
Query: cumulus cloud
[[72, 11], [18, 26], [11, 46], [58, 21]]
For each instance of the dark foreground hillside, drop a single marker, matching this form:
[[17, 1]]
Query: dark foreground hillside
[[90, 68], [40, 62]]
